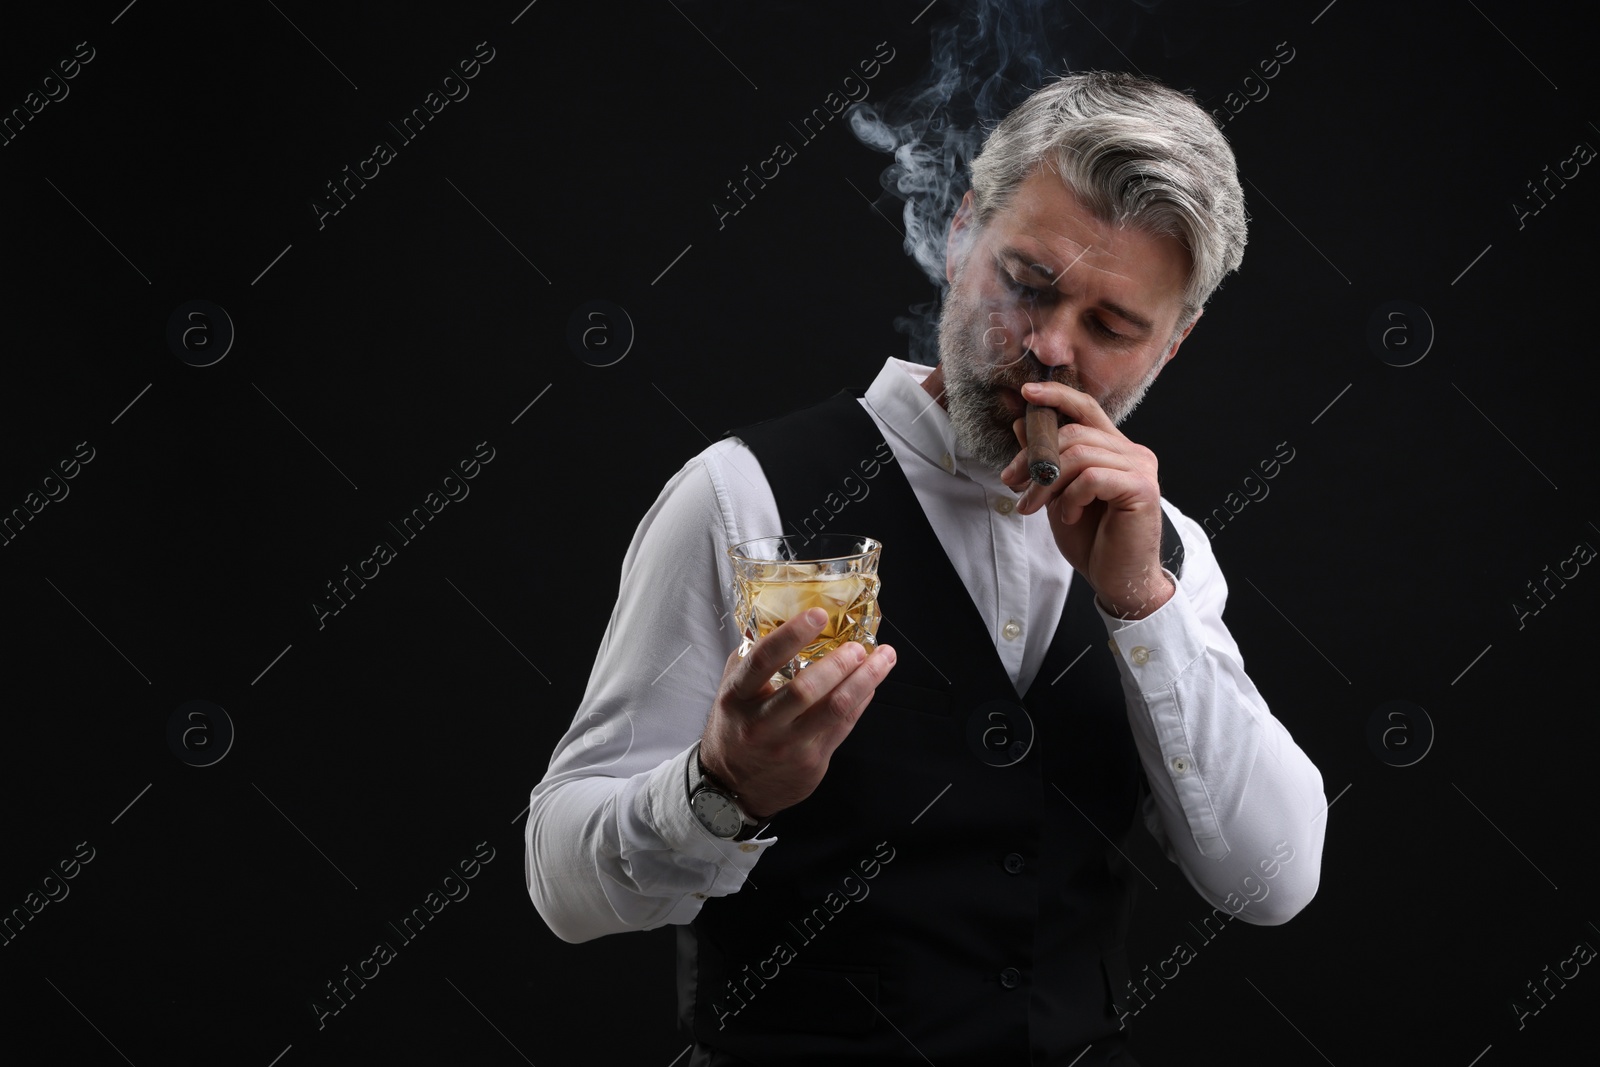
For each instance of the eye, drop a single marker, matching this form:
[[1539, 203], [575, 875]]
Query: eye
[[1107, 332], [1026, 292]]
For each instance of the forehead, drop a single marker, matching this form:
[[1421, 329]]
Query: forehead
[[1046, 222]]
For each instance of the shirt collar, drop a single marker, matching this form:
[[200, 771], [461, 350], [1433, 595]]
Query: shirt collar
[[899, 400]]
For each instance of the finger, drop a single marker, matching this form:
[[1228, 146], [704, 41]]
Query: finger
[[1017, 474], [815, 682], [1080, 457], [1118, 489], [776, 649], [1075, 404], [1035, 496], [1076, 433], [829, 719]]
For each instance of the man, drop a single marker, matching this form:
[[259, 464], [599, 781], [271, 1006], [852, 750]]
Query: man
[[911, 855]]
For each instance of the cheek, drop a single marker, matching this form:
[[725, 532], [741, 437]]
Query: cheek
[[1104, 380], [999, 327], [1092, 375]]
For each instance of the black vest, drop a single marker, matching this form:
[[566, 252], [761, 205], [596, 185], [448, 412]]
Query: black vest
[[951, 890]]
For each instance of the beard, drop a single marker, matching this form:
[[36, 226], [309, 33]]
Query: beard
[[975, 381]]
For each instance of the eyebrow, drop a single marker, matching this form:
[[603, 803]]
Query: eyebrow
[[1011, 255]]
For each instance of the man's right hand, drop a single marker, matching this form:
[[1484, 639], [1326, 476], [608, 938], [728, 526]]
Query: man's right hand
[[771, 745]]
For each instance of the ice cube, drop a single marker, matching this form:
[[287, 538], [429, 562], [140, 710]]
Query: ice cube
[[842, 590], [780, 601]]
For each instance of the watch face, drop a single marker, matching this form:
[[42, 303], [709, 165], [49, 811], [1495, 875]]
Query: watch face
[[717, 813]]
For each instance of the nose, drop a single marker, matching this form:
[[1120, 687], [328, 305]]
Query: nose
[[1047, 337]]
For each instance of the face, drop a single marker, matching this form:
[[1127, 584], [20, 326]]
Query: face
[[1046, 289]]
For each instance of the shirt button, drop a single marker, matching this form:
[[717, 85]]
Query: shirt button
[[948, 463], [1010, 978], [1011, 630], [1014, 863], [1140, 655], [748, 846], [1112, 641], [1005, 505], [1179, 765], [699, 896]]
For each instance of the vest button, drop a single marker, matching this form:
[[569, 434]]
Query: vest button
[[1010, 978], [1014, 863]]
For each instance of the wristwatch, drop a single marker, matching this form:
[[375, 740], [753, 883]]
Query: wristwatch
[[716, 806]]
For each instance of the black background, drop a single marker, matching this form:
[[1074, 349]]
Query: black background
[[375, 751]]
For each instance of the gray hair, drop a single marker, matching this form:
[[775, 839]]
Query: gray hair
[[1136, 153]]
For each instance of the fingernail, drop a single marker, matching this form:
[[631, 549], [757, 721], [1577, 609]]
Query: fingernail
[[816, 617]]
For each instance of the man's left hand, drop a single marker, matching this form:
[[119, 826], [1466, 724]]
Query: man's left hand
[[1104, 506]]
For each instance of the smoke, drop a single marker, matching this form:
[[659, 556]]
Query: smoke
[[984, 63]]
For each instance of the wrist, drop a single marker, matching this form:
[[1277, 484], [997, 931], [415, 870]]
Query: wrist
[[717, 805], [720, 783], [1139, 600]]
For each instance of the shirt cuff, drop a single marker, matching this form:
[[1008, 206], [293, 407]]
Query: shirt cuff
[[1154, 650], [666, 794]]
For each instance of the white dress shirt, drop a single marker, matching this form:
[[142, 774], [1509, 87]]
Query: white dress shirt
[[611, 842]]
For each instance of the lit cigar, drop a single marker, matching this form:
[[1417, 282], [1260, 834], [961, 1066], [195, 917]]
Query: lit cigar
[[1044, 462]]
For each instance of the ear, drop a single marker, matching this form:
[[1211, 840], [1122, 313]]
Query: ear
[[955, 245], [1181, 338]]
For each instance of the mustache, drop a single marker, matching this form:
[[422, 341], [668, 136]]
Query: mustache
[[1028, 368]]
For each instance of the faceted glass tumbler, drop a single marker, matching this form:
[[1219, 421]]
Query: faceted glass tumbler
[[777, 578]]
